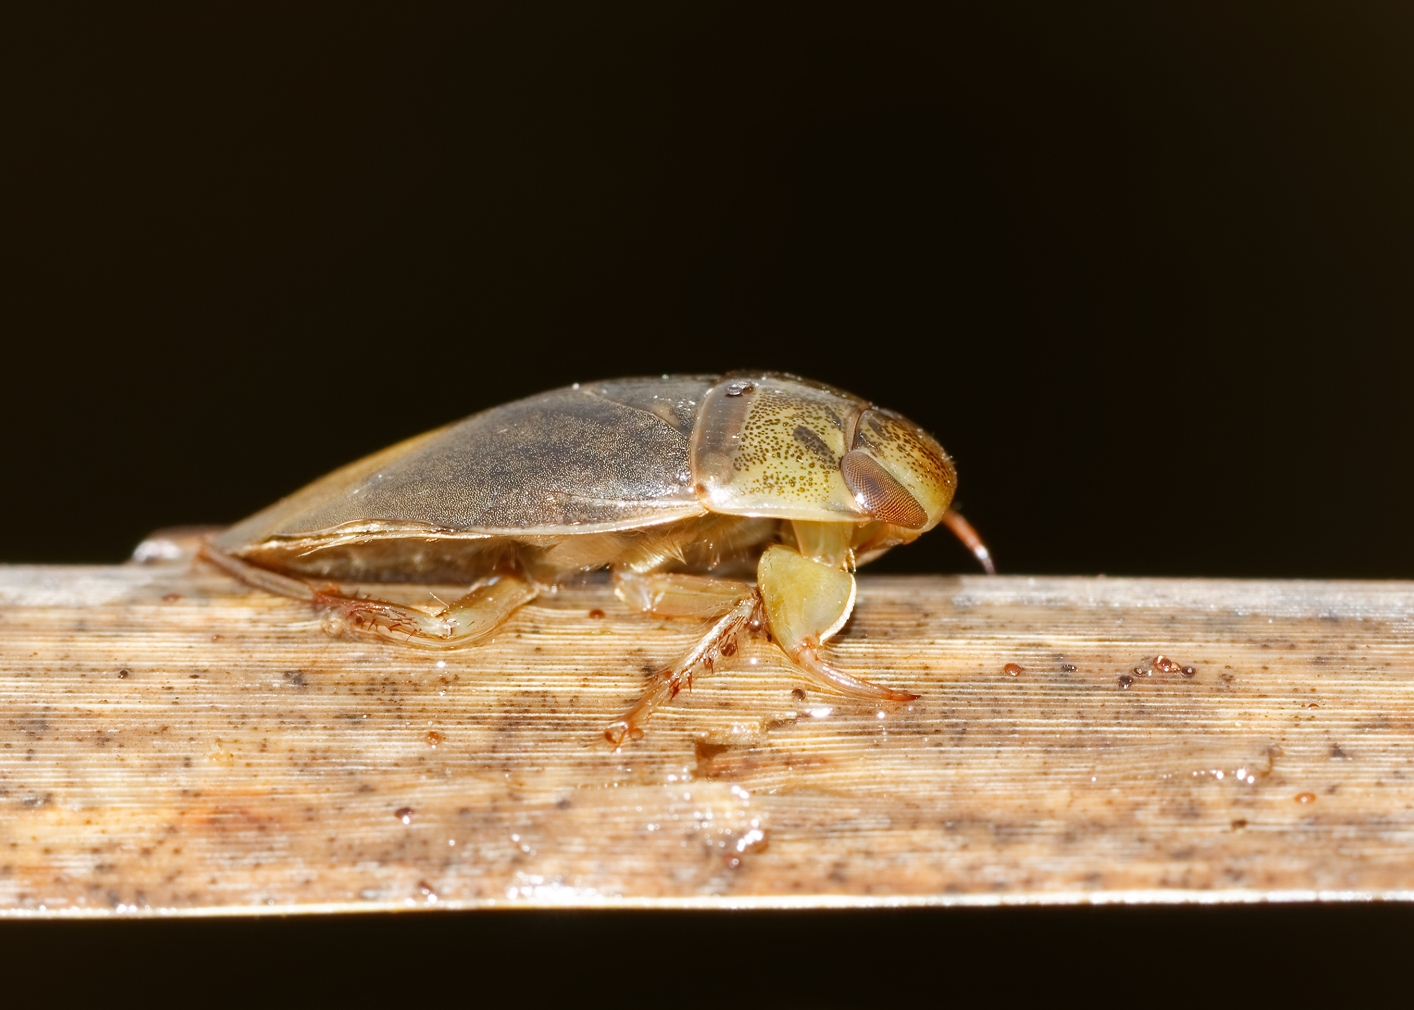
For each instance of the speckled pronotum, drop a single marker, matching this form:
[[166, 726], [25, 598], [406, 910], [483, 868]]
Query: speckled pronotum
[[678, 485]]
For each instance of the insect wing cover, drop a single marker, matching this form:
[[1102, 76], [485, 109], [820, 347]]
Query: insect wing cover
[[580, 459]]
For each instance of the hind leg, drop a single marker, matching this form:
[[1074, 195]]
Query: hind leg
[[465, 621]]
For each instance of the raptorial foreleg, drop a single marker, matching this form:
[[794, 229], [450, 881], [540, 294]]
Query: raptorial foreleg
[[806, 602]]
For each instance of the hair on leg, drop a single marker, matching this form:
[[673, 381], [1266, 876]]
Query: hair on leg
[[721, 641], [467, 620]]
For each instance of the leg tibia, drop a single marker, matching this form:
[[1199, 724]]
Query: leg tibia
[[664, 685], [680, 595], [825, 675]]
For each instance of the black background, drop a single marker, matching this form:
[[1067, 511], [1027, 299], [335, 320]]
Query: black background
[[1145, 270]]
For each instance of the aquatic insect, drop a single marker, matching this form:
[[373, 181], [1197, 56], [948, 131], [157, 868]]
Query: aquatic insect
[[679, 485]]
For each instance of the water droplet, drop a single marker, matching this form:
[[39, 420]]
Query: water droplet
[[596, 613], [1164, 665], [1124, 681], [433, 738], [1305, 797], [1012, 670], [122, 674], [1189, 671], [403, 814]]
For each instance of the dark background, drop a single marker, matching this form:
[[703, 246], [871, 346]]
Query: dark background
[[1145, 270]]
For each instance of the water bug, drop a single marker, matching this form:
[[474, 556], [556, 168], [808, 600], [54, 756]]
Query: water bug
[[684, 487]]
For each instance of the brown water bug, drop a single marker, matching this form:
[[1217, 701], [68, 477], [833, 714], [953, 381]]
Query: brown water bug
[[682, 486]]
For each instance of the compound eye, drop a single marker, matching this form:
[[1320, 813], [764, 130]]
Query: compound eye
[[879, 493]]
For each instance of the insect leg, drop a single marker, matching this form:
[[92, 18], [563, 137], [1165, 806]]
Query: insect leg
[[260, 578], [674, 595], [665, 684], [467, 620], [806, 602]]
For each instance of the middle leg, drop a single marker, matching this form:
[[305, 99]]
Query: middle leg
[[737, 607]]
